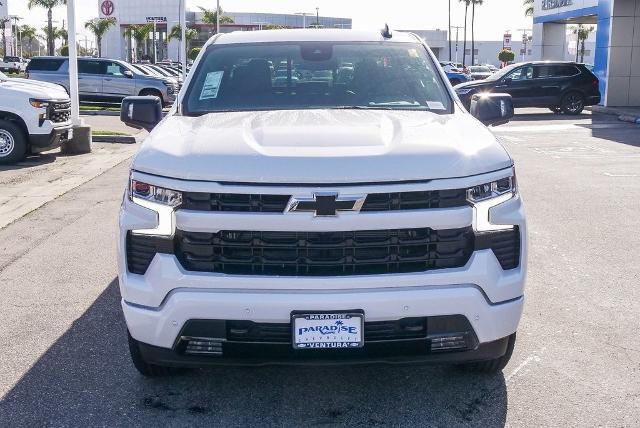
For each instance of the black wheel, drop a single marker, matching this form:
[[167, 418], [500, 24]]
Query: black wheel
[[572, 103], [145, 369], [495, 365], [13, 143], [454, 82], [556, 109], [152, 92]]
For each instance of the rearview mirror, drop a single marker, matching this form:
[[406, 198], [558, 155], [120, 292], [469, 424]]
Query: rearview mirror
[[128, 73], [492, 109], [141, 112]]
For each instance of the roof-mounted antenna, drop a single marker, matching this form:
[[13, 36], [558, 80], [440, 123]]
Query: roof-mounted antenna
[[386, 33]]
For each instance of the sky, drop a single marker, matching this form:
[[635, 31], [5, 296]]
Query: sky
[[492, 18]]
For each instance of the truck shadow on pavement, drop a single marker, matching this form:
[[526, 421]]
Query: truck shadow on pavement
[[33, 160], [86, 378]]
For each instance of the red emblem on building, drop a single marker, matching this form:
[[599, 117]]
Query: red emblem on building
[[107, 7]]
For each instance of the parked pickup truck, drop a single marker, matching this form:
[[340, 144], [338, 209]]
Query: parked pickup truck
[[34, 116], [343, 218], [13, 64]]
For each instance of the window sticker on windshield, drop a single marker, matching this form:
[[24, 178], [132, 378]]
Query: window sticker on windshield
[[435, 105], [211, 85]]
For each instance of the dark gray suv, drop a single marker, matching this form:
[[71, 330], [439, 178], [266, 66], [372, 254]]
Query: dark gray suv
[[103, 79]]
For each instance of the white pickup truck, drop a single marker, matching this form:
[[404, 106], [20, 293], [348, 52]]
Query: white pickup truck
[[34, 117], [340, 208], [13, 64]]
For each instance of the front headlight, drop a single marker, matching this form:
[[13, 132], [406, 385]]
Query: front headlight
[[139, 191], [491, 190], [485, 196], [39, 103]]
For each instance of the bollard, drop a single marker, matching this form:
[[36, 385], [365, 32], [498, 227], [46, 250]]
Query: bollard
[[80, 143]]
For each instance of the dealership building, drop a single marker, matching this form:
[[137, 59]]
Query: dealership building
[[166, 14], [617, 41]]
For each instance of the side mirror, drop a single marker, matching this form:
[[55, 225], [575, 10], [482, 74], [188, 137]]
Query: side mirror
[[128, 74], [492, 109], [141, 112], [507, 80]]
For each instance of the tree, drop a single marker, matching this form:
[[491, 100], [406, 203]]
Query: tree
[[49, 5], [582, 34], [3, 22], [139, 33], [193, 53], [449, 33], [99, 26], [210, 17], [473, 19], [528, 7], [30, 34], [506, 56], [273, 27], [464, 44], [64, 50], [176, 33]]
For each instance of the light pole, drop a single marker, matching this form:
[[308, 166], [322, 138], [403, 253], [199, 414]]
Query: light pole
[[525, 40], [304, 17], [183, 27], [457, 40], [217, 16]]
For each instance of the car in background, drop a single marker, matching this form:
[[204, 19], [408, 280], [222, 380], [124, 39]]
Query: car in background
[[455, 75], [564, 87], [492, 67], [479, 72], [13, 64], [103, 80]]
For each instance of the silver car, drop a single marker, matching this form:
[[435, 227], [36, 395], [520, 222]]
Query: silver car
[[101, 79]]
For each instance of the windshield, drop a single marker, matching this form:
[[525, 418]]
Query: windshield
[[316, 75], [501, 73]]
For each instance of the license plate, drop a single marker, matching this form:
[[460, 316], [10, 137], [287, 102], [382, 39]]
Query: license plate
[[327, 330]]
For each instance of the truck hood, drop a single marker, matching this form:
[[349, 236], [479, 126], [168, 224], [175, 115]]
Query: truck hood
[[320, 146], [35, 88]]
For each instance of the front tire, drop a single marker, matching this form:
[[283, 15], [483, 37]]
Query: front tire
[[153, 93], [13, 143], [497, 364], [145, 369], [572, 103]]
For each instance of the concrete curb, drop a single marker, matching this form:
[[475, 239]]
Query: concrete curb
[[119, 139], [622, 115], [99, 113]]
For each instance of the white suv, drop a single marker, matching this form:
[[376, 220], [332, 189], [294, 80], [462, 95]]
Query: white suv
[[345, 215]]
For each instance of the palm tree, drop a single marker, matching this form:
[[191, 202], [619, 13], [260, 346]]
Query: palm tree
[[449, 33], [49, 5], [176, 33], [3, 22], [473, 19], [99, 26], [139, 33], [528, 7], [210, 17], [464, 44], [582, 34], [29, 33]]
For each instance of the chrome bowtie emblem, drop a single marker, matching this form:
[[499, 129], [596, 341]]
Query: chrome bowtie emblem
[[326, 204]]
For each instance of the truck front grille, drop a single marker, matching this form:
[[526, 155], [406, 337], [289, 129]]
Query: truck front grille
[[237, 202], [324, 253], [60, 111]]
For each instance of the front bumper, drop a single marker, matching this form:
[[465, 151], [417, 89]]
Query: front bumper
[[158, 304], [55, 138]]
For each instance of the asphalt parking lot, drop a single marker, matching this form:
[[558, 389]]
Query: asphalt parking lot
[[63, 343]]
